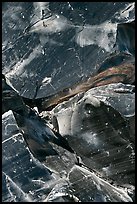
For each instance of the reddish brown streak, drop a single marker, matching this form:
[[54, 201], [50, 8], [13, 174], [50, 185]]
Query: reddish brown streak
[[124, 73]]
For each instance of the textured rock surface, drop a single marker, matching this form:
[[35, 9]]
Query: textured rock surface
[[82, 149]]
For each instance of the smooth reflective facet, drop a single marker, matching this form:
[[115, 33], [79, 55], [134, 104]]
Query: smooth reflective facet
[[68, 101]]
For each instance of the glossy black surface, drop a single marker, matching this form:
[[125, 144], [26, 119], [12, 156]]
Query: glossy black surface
[[83, 148]]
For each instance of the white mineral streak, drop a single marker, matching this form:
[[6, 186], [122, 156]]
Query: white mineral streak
[[101, 183], [127, 10], [53, 24], [10, 84], [12, 137], [56, 195], [98, 35], [89, 34], [12, 186], [18, 69], [58, 190], [46, 80], [69, 5], [38, 7], [10, 127], [4, 44], [38, 181], [91, 138], [106, 170], [125, 14], [36, 110], [7, 114]]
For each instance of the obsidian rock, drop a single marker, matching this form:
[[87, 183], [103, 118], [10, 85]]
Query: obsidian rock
[[79, 60]]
